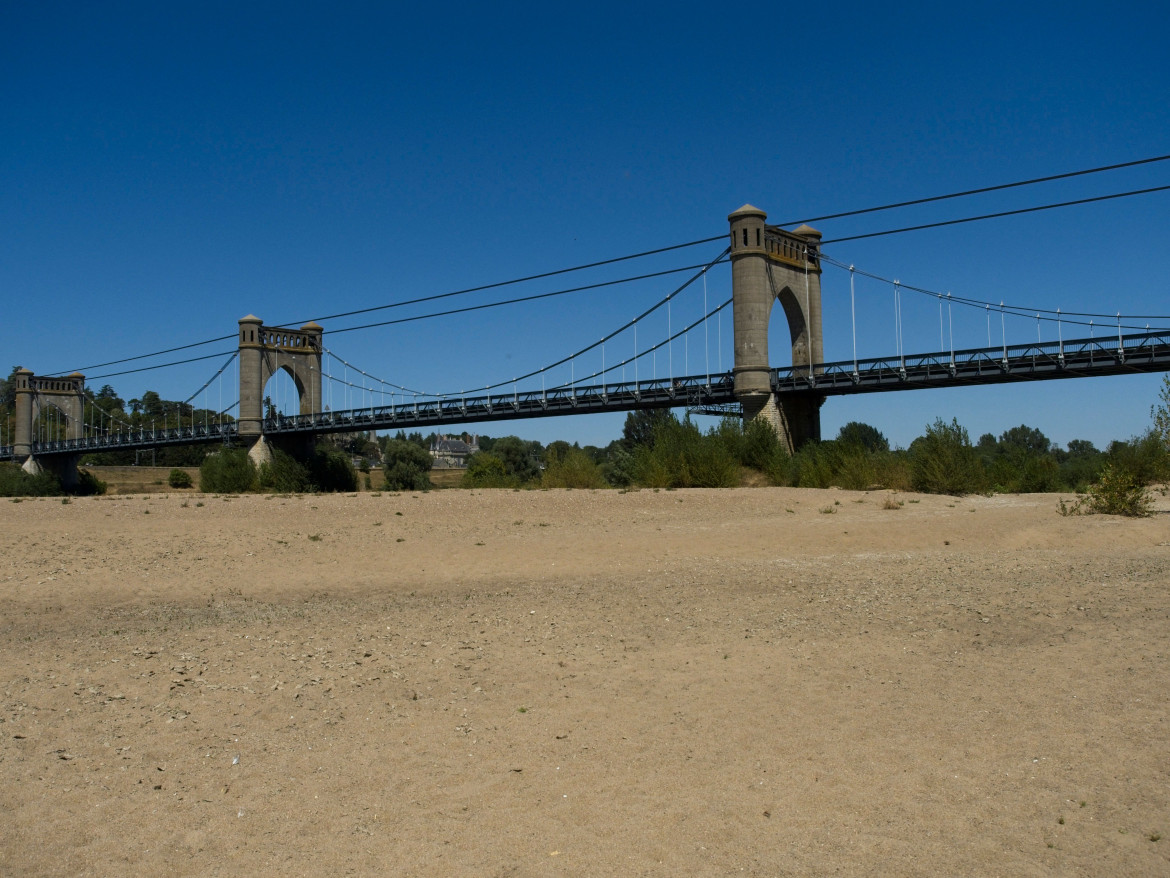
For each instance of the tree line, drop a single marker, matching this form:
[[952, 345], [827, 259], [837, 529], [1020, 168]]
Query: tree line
[[657, 449]]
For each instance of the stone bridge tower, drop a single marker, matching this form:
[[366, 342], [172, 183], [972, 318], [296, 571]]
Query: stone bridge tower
[[770, 264], [266, 350], [36, 396]]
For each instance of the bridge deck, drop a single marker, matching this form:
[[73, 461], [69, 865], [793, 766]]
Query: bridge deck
[[1080, 358]]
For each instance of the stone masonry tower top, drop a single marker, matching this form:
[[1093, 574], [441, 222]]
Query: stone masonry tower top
[[768, 265]]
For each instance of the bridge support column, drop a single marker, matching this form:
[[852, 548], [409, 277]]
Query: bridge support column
[[769, 264], [251, 377], [23, 428], [264, 351], [795, 419], [63, 466], [65, 395]]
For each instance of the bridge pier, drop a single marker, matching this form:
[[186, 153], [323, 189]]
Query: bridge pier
[[63, 466], [796, 420], [299, 446], [264, 351], [769, 265], [33, 395]]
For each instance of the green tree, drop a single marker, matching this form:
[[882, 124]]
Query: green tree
[[521, 459], [486, 470], [863, 436], [1080, 464], [1024, 439], [1021, 461], [1160, 412], [8, 390], [228, 471], [330, 469], [406, 466], [1144, 457], [108, 399], [283, 474], [680, 456], [642, 426], [570, 467], [152, 406]]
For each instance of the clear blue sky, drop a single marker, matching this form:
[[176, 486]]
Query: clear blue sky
[[169, 168]]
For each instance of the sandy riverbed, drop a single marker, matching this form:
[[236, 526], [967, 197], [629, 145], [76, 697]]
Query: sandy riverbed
[[758, 681]]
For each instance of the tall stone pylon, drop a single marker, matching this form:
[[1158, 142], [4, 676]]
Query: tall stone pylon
[[770, 264], [266, 350]]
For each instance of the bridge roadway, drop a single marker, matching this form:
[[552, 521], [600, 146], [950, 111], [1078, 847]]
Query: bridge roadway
[[1079, 358]]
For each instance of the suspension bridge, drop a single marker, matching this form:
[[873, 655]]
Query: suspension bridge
[[55, 420]]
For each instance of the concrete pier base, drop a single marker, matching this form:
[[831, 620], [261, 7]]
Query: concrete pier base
[[796, 420]]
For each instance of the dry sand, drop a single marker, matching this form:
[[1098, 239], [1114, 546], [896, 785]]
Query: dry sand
[[745, 682]]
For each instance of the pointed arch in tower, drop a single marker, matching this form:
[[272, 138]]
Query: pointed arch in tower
[[265, 350], [770, 265]]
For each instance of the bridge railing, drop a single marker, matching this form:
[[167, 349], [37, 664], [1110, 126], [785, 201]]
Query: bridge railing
[[664, 392], [1136, 352], [1039, 359], [136, 439]]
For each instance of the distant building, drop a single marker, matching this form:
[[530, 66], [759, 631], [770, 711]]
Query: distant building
[[452, 453]]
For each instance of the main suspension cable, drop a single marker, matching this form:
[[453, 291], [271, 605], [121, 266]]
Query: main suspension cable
[[997, 188]]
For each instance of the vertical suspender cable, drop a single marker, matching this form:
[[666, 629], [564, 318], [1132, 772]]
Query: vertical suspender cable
[[898, 320], [706, 340], [853, 318], [951, 327], [636, 357], [941, 344], [1003, 332]]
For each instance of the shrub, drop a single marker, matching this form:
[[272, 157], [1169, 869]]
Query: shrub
[[179, 478], [15, 482], [761, 450], [485, 470], [682, 457], [89, 485], [812, 466], [406, 466], [1024, 473], [892, 470], [1146, 458], [1116, 493], [229, 471], [330, 469], [620, 468], [943, 461], [283, 474], [571, 468]]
